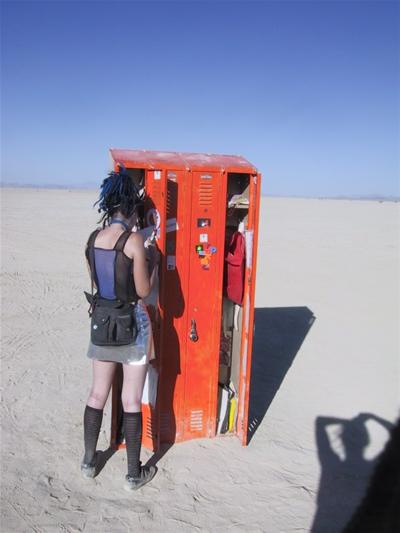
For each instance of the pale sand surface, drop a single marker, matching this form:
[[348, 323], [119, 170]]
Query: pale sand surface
[[334, 260]]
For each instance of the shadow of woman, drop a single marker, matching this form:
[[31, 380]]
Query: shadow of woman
[[343, 478]]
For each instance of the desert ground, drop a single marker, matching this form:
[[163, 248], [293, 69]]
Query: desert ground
[[324, 388]]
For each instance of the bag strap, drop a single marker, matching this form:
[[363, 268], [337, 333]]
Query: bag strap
[[120, 244], [90, 256]]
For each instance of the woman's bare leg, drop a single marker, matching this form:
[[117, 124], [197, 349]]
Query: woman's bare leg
[[132, 388], [103, 375]]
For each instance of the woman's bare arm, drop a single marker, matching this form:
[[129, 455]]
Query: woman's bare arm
[[135, 249], [88, 267], [153, 259]]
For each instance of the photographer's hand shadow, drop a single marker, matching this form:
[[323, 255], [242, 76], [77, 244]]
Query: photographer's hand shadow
[[343, 479]]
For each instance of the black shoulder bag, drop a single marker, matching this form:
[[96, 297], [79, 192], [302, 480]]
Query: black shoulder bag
[[113, 322]]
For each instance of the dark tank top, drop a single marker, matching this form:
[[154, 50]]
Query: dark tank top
[[112, 270]]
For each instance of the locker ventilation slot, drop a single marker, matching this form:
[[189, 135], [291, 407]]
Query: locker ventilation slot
[[149, 428], [172, 198], [165, 422], [196, 420], [205, 193]]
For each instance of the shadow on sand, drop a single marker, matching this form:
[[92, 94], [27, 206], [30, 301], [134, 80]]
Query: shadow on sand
[[279, 334], [343, 478]]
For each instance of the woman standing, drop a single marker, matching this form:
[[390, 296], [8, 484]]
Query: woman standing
[[122, 270]]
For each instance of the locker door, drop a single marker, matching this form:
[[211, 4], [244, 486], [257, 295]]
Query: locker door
[[155, 211], [206, 249], [248, 310], [171, 387]]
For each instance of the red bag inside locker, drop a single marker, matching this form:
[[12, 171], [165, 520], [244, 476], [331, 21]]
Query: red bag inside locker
[[234, 268]]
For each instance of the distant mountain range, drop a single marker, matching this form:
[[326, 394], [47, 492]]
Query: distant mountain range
[[89, 185]]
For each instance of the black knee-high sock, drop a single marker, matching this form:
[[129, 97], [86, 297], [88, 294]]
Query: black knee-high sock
[[92, 419], [133, 441]]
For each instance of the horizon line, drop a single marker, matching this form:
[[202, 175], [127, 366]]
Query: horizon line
[[89, 186]]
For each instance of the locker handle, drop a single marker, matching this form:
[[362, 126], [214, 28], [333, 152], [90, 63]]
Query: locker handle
[[193, 332]]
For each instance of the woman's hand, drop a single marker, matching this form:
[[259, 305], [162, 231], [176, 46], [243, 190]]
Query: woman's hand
[[153, 255]]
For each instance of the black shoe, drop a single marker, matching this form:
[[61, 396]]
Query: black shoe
[[146, 474], [89, 469]]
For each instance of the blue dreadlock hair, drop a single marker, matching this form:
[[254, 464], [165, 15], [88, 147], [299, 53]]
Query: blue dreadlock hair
[[118, 192]]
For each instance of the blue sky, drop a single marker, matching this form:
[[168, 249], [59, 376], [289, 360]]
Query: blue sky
[[307, 91]]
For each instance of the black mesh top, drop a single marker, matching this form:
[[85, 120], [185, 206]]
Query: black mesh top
[[112, 269]]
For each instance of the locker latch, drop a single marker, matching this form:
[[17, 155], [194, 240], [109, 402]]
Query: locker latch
[[193, 332]]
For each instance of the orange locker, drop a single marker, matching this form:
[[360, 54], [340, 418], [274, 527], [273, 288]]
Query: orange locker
[[203, 339]]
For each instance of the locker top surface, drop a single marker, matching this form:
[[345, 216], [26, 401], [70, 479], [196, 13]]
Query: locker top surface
[[157, 160]]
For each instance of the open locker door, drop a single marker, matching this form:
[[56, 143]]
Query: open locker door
[[248, 309], [171, 389], [154, 215]]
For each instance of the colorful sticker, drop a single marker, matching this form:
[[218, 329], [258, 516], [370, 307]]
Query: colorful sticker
[[205, 252], [203, 237], [205, 263]]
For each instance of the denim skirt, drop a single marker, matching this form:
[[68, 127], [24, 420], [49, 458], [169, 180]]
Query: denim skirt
[[136, 353]]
